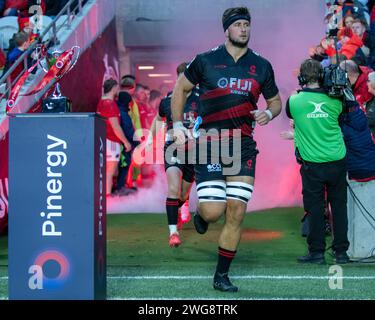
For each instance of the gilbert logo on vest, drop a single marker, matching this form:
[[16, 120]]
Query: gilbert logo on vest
[[318, 112]]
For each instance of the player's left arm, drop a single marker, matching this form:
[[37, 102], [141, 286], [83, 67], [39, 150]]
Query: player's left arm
[[274, 106]]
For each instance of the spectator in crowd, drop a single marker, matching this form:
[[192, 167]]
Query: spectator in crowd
[[22, 43], [147, 93], [338, 10], [370, 105], [153, 105], [142, 102], [368, 39], [328, 45], [142, 94], [128, 85], [351, 46], [127, 89], [317, 53], [108, 109], [346, 6], [142, 98], [348, 21], [361, 10], [124, 101], [358, 76], [25, 26], [359, 143], [352, 7]]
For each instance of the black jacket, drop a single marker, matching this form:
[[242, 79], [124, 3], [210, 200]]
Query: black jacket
[[370, 114]]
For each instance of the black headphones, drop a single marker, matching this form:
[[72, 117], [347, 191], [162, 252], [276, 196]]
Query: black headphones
[[302, 80]]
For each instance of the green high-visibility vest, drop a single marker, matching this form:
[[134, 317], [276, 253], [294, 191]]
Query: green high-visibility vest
[[317, 135]]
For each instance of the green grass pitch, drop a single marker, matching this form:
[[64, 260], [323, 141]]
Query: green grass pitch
[[142, 266]]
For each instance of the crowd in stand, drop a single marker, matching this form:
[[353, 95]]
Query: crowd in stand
[[21, 7], [132, 108], [353, 24], [27, 32]]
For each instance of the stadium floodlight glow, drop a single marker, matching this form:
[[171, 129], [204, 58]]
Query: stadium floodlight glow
[[146, 67], [159, 75]]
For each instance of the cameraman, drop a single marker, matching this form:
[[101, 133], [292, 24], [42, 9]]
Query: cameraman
[[320, 145]]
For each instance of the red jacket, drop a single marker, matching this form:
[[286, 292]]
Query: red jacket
[[2, 59], [360, 89], [350, 48], [21, 5]]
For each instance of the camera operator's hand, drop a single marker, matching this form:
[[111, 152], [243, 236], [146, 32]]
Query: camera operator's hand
[[287, 135]]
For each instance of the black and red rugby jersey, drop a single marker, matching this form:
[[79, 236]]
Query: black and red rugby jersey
[[190, 109], [230, 90]]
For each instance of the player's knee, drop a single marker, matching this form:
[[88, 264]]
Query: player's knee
[[238, 195], [235, 213], [212, 211], [212, 200]]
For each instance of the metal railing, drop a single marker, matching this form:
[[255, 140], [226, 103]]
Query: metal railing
[[70, 14]]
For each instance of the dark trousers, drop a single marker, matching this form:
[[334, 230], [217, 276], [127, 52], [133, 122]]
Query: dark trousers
[[316, 178], [123, 171]]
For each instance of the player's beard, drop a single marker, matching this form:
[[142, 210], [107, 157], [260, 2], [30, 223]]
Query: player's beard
[[238, 44]]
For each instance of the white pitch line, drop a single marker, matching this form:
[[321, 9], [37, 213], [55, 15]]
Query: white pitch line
[[214, 298], [211, 298], [248, 277], [282, 277]]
